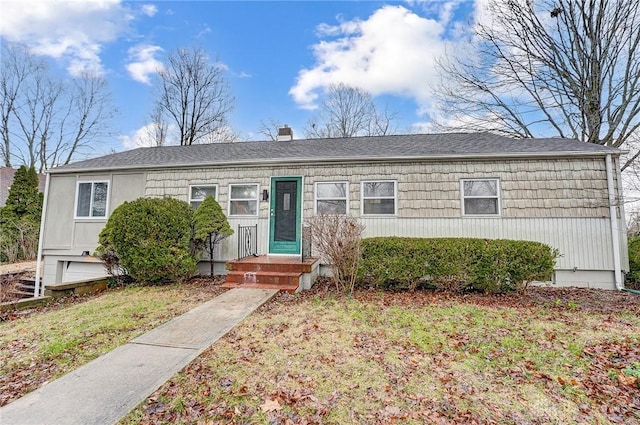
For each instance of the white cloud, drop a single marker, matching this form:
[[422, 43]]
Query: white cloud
[[72, 31], [143, 63], [206, 30], [394, 51], [149, 9], [144, 137]]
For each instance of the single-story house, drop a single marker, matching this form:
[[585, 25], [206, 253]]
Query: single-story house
[[561, 192]]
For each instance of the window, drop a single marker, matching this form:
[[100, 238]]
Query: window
[[91, 199], [331, 197], [198, 193], [480, 197], [378, 197], [243, 199]]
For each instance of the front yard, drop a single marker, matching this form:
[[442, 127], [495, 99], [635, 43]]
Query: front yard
[[552, 356], [43, 344]]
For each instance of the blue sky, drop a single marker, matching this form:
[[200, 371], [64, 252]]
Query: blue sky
[[279, 56]]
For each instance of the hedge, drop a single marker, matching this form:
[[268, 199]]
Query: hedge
[[457, 264]]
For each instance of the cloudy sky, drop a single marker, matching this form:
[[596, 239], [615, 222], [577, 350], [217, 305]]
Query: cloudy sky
[[279, 56]]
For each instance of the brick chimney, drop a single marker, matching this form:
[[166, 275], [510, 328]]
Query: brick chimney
[[285, 134]]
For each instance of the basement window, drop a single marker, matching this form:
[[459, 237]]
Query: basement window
[[480, 197], [91, 199]]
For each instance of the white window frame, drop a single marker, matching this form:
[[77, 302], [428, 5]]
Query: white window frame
[[498, 197], [106, 206], [191, 186], [256, 199], [394, 197], [317, 198]]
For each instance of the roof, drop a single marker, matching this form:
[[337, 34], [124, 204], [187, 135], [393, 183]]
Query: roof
[[377, 148]]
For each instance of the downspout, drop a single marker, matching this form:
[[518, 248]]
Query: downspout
[[38, 288], [613, 219]]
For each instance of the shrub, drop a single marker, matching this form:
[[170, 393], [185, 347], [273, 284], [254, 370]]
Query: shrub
[[455, 264], [210, 227], [20, 217], [150, 239], [633, 277], [337, 238]]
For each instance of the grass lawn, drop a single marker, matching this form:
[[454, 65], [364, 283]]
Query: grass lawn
[[553, 356], [46, 343]]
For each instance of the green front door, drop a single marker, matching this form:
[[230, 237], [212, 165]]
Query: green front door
[[285, 215]]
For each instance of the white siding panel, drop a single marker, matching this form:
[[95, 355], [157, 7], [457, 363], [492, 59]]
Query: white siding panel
[[229, 247], [584, 243]]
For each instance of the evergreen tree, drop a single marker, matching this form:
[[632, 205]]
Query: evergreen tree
[[20, 217], [210, 226]]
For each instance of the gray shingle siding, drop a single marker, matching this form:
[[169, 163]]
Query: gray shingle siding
[[529, 188]]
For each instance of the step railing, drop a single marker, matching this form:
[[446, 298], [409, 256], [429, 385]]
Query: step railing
[[247, 241]]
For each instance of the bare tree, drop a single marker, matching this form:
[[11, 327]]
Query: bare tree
[[270, 129], [348, 111], [157, 131], [48, 121], [566, 68], [194, 95], [18, 67]]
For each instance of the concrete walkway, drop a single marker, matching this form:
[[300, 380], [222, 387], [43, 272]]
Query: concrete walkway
[[109, 387]]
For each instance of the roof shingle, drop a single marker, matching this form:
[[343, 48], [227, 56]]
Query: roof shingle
[[339, 149]]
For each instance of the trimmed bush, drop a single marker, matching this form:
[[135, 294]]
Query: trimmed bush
[[210, 227], [456, 264], [150, 239]]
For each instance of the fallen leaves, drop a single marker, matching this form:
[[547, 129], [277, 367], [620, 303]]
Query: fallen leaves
[[616, 394], [270, 406]]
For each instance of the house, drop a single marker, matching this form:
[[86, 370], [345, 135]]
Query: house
[[561, 192]]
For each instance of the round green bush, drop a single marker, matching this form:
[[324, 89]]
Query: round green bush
[[151, 239]]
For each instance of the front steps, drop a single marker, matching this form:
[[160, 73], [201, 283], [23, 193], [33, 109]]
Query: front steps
[[289, 274]]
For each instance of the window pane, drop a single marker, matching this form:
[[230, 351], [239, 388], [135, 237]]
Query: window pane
[[481, 188], [332, 207], [373, 189], [99, 200], [379, 206], [84, 199], [481, 206], [244, 192], [201, 192], [244, 208], [331, 190]]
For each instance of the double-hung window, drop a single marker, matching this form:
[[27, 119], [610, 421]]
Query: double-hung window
[[199, 192], [243, 199], [332, 197], [379, 197], [91, 199], [480, 196]]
